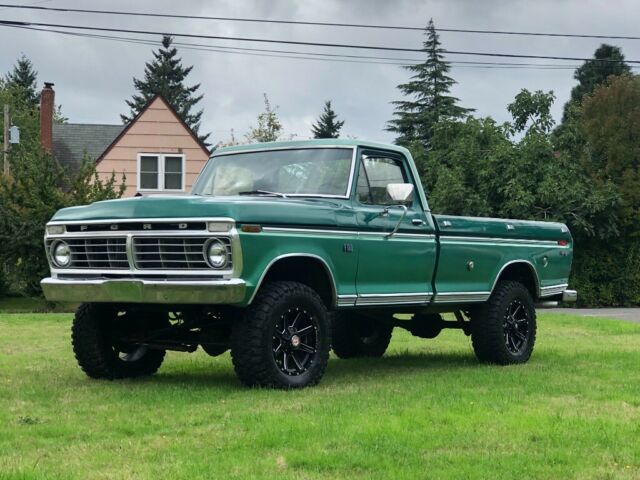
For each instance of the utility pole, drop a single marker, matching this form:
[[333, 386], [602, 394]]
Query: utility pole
[[5, 140]]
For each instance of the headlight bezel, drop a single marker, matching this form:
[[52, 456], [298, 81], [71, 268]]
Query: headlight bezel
[[56, 229], [54, 254], [223, 253]]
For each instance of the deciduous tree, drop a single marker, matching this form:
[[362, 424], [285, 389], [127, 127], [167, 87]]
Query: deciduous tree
[[268, 128]]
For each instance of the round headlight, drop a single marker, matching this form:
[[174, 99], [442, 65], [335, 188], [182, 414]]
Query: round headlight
[[217, 254], [61, 254]]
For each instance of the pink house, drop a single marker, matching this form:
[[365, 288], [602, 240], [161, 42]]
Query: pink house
[[156, 152]]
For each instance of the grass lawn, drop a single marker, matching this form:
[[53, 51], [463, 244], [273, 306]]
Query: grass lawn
[[18, 304], [425, 410]]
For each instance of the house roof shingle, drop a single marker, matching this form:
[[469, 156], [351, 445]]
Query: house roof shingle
[[72, 140]]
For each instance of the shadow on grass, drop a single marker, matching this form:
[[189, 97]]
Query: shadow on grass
[[401, 363], [338, 371]]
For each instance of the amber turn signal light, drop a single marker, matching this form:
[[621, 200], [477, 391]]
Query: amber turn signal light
[[251, 228]]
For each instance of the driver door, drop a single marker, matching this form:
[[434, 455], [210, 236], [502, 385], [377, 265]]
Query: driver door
[[393, 269]]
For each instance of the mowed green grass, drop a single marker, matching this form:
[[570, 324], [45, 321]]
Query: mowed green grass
[[425, 410]]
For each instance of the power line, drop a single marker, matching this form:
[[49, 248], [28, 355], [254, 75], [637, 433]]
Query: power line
[[323, 24], [295, 42], [308, 55]]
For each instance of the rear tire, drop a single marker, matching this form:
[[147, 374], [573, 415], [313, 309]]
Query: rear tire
[[503, 330], [358, 336], [100, 354], [283, 341]]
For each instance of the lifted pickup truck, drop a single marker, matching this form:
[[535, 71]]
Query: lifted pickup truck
[[286, 250]]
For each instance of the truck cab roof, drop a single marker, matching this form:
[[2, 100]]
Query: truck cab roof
[[349, 143]]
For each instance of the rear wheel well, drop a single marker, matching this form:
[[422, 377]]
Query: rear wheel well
[[310, 271], [521, 272]]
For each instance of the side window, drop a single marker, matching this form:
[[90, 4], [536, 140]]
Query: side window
[[376, 172]]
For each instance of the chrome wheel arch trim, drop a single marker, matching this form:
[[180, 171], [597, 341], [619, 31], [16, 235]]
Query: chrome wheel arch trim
[[529, 264], [332, 280]]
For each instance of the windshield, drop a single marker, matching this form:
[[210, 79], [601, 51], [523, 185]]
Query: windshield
[[303, 172]]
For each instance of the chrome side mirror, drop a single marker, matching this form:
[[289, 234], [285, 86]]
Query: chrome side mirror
[[400, 192]]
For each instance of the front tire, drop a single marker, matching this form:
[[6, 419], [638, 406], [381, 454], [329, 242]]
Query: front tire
[[359, 336], [503, 330], [95, 335], [283, 341]]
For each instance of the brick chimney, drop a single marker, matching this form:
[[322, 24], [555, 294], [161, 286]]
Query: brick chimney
[[47, 102]]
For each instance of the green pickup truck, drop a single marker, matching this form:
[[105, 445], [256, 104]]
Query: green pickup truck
[[284, 251]]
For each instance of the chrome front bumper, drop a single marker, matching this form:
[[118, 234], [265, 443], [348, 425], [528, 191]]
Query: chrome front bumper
[[144, 291]]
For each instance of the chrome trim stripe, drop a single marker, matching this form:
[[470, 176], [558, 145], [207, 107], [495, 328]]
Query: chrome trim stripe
[[143, 220], [553, 290], [421, 236], [393, 298], [346, 300], [419, 298], [454, 297], [348, 233], [141, 233], [500, 240], [353, 148]]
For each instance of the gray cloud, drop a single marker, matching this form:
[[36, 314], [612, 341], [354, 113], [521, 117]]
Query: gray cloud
[[94, 77]]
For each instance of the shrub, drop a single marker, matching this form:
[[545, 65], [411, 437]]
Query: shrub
[[37, 187]]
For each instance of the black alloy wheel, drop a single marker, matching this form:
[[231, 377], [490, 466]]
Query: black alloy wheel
[[283, 339], [503, 329], [295, 341], [516, 327]]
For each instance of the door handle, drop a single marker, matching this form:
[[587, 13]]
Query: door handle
[[417, 221], [446, 224]]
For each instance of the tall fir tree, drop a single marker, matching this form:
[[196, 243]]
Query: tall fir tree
[[607, 60], [429, 99], [165, 75], [24, 78], [328, 125]]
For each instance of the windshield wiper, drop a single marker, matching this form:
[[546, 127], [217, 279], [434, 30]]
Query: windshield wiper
[[263, 192]]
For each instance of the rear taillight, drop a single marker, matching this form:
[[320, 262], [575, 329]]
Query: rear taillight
[[563, 243]]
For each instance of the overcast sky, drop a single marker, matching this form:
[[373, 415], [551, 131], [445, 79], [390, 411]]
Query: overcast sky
[[93, 77]]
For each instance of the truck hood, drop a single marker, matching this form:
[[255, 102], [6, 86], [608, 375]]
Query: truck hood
[[263, 210]]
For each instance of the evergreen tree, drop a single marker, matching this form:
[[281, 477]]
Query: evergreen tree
[[165, 75], [25, 79], [269, 127], [428, 91], [607, 60], [328, 125]]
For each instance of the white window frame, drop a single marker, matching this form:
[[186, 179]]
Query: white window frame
[[161, 171]]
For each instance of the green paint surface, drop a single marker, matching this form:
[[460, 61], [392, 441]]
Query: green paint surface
[[431, 254]]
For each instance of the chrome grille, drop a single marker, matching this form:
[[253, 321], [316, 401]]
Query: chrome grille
[[174, 253], [104, 253]]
